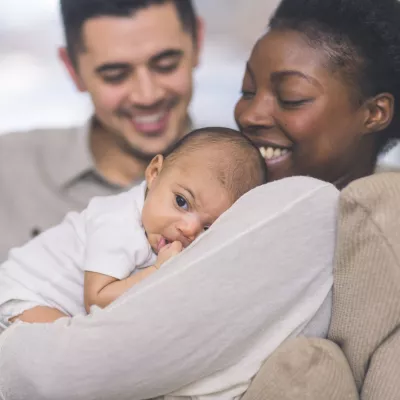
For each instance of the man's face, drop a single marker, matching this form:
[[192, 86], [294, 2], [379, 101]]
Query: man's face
[[138, 71]]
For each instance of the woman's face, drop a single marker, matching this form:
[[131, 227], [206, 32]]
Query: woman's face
[[301, 114]]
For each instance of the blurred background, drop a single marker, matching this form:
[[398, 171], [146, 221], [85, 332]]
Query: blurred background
[[37, 92]]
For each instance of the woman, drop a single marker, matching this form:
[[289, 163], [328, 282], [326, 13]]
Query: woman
[[318, 99], [321, 88]]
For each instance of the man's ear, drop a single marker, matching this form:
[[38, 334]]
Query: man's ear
[[71, 68], [379, 112], [153, 170], [200, 40]]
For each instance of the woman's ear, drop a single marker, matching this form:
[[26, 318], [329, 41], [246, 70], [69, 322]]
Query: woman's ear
[[153, 170], [380, 111]]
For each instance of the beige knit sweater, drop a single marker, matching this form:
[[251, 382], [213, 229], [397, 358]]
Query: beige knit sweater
[[366, 313]]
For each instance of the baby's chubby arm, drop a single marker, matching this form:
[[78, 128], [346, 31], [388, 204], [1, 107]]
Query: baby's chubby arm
[[101, 290]]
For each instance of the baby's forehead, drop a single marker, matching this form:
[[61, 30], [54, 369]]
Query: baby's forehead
[[207, 156], [196, 172], [203, 165]]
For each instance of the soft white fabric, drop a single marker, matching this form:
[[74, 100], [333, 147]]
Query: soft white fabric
[[107, 237], [203, 324]]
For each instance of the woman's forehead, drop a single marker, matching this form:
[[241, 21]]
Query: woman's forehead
[[281, 50]]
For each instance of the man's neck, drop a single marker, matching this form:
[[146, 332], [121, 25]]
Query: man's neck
[[115, 165]]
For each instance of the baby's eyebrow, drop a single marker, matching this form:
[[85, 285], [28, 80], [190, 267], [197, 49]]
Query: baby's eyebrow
[[186, 189], [191, 193]]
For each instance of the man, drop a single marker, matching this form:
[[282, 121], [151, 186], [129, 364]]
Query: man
[[136, 59]]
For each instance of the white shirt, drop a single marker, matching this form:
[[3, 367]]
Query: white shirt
[[107, 237], [201, 326]]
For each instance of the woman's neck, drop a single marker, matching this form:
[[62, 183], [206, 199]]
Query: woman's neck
[[361, 169]]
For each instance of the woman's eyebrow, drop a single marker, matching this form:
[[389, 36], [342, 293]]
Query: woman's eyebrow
[[281, 75]]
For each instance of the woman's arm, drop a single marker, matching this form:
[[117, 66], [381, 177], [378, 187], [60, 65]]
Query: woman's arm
[[211, 316]]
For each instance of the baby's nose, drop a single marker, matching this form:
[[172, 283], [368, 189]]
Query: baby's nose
[[191, 229]]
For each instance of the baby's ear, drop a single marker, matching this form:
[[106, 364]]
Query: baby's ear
[[154, 169]]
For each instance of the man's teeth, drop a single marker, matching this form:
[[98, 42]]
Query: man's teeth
[[149, 119], [270, 152]]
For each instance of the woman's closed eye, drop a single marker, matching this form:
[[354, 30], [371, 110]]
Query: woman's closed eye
[[293, 103], [181, 202], [247, 94]]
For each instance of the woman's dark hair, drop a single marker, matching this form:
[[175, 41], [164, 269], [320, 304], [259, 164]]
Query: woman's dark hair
[[360, 37], [76, 12]]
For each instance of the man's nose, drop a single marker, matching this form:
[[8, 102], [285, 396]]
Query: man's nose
[[146, 91]]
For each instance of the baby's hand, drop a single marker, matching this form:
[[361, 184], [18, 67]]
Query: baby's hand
[[167, 252]]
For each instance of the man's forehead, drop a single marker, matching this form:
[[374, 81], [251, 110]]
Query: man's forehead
[[145, 34]]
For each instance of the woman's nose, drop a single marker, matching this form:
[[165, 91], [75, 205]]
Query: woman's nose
[[255, 112]]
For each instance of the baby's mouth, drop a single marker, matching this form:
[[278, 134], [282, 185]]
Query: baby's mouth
[[162, 243]]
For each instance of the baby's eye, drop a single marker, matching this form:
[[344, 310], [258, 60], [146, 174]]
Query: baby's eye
[[206, 228], [181, 202]]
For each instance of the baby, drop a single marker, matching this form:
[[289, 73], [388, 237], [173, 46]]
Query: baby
[[93, 257]]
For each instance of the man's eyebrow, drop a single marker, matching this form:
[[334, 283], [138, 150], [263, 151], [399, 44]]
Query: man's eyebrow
[[112, 67], [280, 75], [170, 53]]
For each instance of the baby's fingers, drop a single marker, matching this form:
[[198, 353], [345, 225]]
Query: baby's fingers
[[176, 247]]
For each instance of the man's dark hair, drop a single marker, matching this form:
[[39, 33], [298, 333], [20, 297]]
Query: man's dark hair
[[76, 12], [361, 39], [233, 158]]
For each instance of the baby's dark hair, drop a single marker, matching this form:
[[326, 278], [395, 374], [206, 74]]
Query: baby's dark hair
[[360, 37], [236, 162]]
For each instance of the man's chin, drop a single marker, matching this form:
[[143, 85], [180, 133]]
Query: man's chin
[[146, 153]]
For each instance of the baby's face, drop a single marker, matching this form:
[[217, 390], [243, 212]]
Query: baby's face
[[183, 200]]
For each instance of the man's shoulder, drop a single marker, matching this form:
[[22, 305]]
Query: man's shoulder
[[27, 143]]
